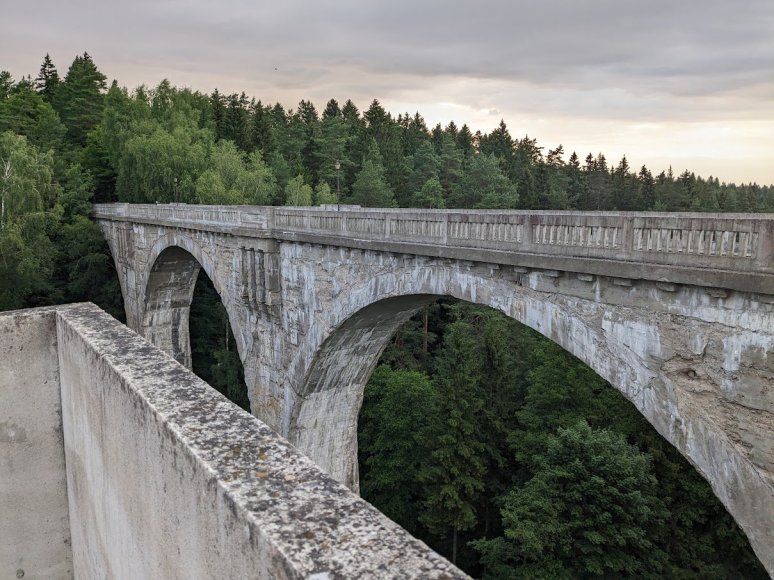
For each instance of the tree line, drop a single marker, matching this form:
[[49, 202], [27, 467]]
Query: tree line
[[476, 434]]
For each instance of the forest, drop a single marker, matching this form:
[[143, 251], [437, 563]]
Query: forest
[[480, 437]]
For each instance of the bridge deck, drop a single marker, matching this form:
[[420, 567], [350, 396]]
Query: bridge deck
[[734, 251]]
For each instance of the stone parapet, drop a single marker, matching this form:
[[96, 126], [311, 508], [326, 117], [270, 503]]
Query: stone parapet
[[734, 251]]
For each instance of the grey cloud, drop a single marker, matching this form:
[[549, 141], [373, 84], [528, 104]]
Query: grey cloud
[[679, 61]]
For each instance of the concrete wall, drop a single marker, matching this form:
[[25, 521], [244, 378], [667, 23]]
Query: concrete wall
[[34, 524], [165, 478]]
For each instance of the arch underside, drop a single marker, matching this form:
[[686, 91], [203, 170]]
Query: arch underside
[[168, 296], [672, 368], [168, 290], [334, 386]]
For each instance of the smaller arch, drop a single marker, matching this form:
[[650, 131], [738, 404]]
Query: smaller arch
[[168, 294], [166, 290], [175, 239]]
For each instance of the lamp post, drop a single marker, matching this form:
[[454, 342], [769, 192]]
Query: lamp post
[[338, 202]]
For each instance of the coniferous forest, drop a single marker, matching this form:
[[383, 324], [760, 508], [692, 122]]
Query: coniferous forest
[[480, 437]]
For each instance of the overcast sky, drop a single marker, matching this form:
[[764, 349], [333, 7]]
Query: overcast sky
[[683, 82]]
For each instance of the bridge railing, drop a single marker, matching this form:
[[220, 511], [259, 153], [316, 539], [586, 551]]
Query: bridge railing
[[732, 242], [718, 241]]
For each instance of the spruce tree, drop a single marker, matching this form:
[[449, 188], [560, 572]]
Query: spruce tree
[[81, 99], [454, 474], [370, 188], [47, 83]]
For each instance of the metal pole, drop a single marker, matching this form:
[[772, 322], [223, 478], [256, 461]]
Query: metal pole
[[338, 193]]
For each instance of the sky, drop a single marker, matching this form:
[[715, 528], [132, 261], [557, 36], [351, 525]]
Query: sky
[[686, 83]]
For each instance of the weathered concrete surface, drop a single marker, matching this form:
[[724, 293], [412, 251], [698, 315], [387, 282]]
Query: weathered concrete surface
[[167, 479], [696, 368], [34, 524], [160, 475], [635, 298]]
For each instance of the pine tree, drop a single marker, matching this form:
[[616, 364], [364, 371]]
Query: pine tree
[[81, 98], [395, 431], [261, 136], [455, 472], [430, 195], [465, 141], [25, 112], [235, 121], [218, 114], [47, 83], [331, 110], [484, 185], [647, 192], [370, 188]]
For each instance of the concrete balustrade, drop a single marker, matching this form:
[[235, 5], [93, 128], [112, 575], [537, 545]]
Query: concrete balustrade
[[677, 247]]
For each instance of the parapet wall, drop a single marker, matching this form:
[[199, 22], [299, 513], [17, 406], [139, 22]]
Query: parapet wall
[[165, 478], [734, 251]]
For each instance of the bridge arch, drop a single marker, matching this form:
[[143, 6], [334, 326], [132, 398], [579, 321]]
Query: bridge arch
[[324, 418], [649, 357], [174, 264]]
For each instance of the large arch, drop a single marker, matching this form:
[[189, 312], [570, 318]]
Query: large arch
[[670, 367]]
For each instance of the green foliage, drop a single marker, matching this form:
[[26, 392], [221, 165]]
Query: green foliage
[[24, 112], [370, 188], [84, 267], [431, 195], [161, 167], [590, 508], [298, 193], [26, 178], [233, 179], [27, 261], [323, 194], [483, 185], [396, 427], [80, 98], [457, 464]]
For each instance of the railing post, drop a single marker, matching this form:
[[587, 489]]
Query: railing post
[[387, 224]]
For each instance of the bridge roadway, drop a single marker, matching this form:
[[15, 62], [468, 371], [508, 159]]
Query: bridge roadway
[[675, 310]]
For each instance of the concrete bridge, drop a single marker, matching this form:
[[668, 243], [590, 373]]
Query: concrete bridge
[[675, 310]]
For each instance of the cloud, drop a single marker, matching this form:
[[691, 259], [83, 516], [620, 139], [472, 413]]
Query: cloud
[[537, 64]]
